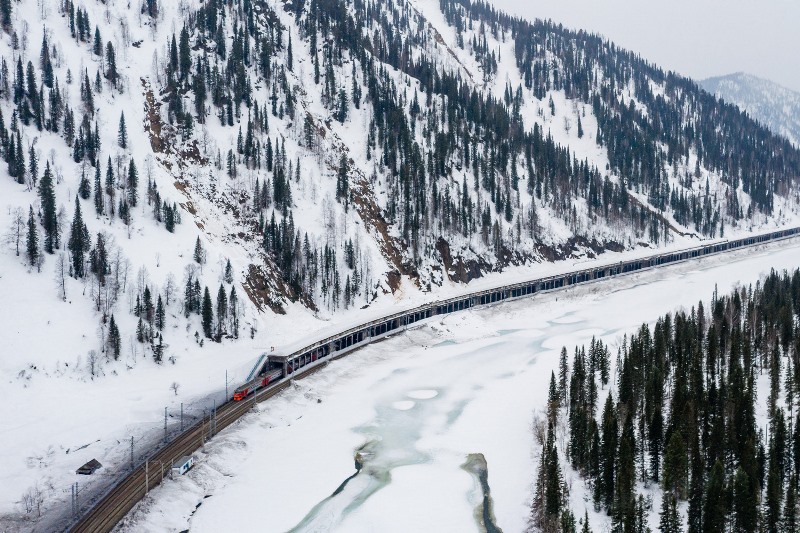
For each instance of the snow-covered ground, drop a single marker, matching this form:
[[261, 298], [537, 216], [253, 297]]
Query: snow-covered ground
[[415, 406], [98, 416]]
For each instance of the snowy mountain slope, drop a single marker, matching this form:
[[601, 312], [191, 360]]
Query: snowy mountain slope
[[338, 155], [776, 107]]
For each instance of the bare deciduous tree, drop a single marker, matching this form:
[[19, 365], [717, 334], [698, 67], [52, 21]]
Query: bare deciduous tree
[[62, 271], [169, 289], [16, 231], [93, 362], [32, 500]]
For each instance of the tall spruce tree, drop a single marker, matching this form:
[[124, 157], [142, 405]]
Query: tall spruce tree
[[78, 242], [111, 66], [222, 311], [233, 311], [676, 466], [99, 199], [84, 187], [47, 195], [114, 340], [133, 184], [714, 508], [160, 317], [122, 132], [670, 521], [5, 14], [32, 240], [207, 314]]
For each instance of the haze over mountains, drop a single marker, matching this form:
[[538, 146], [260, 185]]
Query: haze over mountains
[[776, 107]]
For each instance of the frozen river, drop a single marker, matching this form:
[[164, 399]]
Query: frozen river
[[414, 407]]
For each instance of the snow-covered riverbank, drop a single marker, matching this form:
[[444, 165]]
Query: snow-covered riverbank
[[416, 405]]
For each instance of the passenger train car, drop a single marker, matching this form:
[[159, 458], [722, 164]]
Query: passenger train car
[[271, 368]]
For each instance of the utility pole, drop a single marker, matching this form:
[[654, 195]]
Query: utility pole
[[131, 452], [181, 416], [165, 424], [74, 498], [146, 475], [226, 384]]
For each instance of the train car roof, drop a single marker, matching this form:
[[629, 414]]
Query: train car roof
[[516, 276]]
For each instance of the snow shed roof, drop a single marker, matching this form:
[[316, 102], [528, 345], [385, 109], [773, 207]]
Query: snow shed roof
[[89, 468]]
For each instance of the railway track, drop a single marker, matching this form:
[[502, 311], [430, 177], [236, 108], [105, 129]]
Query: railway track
[[110, 508], [115, 504]]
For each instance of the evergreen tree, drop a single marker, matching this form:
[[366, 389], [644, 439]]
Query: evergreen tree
[[623, 511], [147, 306], [133, 184], [188, 298], [99, 201], [124, 211], [158, 349], [32, 240], [141, 332], [604, 487], [789, 523], [586, 528], [208, 314], [553, 402], [222, 311], [549, 497], [696, 492], [185, 57], [33, 165], [563, 374], [98, 259], [111, 66], [670, 519], [47, 195], [745, 512], [342, 185], [5, 14], [78, 242], [84, 188], [114, 341], [289, 57], [774, 497], [228, 276], [150, 7], [199, 252], [111, 185], [233, 305], [714, 508], [676, 466], [160, 317], [122, 132], [97, 48], [343, 105]]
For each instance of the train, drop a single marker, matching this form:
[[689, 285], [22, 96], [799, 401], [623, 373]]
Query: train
[[273, 367]]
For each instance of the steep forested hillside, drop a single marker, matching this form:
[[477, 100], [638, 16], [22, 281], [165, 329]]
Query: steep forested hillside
[[701, 405], [351, 144]]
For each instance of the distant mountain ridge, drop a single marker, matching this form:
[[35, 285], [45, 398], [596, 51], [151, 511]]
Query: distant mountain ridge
[[775, 106]]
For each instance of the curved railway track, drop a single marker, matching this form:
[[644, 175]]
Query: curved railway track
[[107, 510]]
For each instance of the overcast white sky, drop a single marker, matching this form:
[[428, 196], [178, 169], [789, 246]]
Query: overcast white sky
[[697, 38]]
